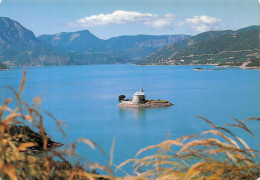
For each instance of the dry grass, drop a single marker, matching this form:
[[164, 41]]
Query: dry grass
[[214, 154], [16, 161], [225, 156]]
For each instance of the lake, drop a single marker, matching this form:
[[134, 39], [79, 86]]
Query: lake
[[86, 98]]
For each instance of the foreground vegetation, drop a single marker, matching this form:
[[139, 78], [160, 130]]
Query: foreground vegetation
[[214, 154]]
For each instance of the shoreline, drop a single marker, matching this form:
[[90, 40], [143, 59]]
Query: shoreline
[[215, 65], [253, 67]]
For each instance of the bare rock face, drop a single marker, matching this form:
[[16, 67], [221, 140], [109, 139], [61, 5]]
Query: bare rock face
[[14, 36]]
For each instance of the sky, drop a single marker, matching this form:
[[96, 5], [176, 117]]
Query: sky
[[111, 18]]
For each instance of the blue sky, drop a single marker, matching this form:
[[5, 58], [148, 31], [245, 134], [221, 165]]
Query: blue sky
[[109, 18]]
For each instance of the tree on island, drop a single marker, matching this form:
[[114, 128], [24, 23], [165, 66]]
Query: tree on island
[[121, 97]]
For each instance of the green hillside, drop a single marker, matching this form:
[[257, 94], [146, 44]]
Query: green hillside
[[168, 50], [226, 47]]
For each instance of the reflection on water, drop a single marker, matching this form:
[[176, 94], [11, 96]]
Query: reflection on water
[[137, 113]]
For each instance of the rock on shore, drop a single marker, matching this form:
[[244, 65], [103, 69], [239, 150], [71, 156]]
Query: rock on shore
[[24, 134]]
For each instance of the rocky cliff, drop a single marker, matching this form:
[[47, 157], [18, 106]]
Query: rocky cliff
[[14, 36]]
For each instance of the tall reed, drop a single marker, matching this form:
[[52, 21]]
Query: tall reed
[[223, 156]]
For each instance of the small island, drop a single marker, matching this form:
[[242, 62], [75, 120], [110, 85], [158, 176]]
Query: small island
[[139, 101], [3, 67], [198, 69]]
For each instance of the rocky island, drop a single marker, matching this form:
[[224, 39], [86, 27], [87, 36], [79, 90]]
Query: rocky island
[[139, 101], [3, 67]]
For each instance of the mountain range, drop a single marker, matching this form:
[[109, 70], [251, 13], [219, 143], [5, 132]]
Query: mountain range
[[132, 47], [14, 36], [20, 47]]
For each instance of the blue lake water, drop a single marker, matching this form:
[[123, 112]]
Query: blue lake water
[[86, 98]]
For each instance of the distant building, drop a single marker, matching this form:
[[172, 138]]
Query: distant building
[[139, 97]]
